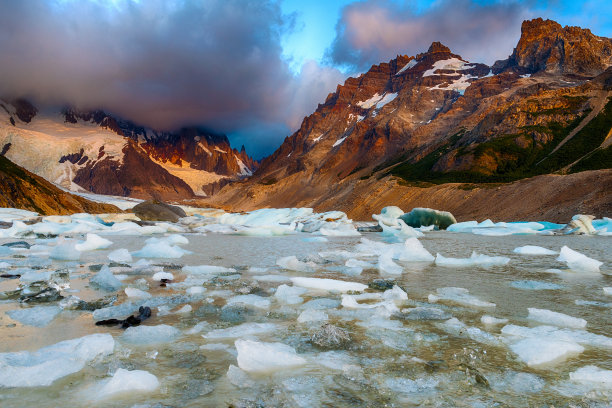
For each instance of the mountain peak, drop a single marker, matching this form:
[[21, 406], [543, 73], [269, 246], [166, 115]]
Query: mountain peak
[[547, 46], [437, 46]]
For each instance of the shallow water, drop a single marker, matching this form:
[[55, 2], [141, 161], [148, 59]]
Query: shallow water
[[386, 363]]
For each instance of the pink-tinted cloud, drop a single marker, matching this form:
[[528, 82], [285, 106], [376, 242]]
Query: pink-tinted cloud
[[372, 31]]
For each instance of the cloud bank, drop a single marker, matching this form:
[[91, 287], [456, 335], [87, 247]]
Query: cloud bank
[[372, 31], [164, 64]]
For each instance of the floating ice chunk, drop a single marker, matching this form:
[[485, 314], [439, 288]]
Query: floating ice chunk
[[207, 269], [146, 335], [593, 375], [293, 264], [404, 231], [163, 275], [608, 290], [581, 224], [413, 251], [460, 296], [137, 293], [93, 242], [184, 309], [321, 304], [561, 334], [245, 329], [262, 357], [160, 249], [388, 216], [535, 285], [330, 285], [39, 316], [259, 302], [121, 255], [386, 265], [492, 321], [125, 381], [198, 328], [195, 290], [105, 280], [533, 250], [312, 315], [578, 262], [239, 378], [65, 250], [555, 318], [174, 239], [289, 294], [475, 259], [536, 352], [42, 367]]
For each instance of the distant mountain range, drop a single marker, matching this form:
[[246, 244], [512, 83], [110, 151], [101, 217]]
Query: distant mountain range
[[436, 118], [100, 153], [394, 135]]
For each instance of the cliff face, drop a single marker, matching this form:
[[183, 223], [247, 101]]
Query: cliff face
[[437, 118], [21, 189], [107, 155]]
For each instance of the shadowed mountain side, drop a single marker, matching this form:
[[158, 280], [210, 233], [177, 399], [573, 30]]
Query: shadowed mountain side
[[24, 190]]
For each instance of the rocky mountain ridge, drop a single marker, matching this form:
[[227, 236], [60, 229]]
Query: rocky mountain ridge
[[100, 153], [438, 118]]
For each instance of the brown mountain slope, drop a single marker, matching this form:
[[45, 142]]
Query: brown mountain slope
[[21, 189], [438, 118]]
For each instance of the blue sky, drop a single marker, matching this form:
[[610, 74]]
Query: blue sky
[[251, 69]]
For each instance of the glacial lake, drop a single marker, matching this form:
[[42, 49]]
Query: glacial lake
[[427, 347]]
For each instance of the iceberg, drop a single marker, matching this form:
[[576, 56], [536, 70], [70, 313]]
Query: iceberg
[[160, 249], [124, 381], [423, 217], [105, 280], [158, 276], [291, 263], [65, 250], [578, 262], [93, 242], [207, 269], [121, 255], [492, 321], [388, 216], [386, 265], [137, 293], [42, 367], [593, 375], [260, 357], [581, 224]]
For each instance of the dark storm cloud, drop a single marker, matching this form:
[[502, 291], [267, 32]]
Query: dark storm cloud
[[377, 30], [164, 64]]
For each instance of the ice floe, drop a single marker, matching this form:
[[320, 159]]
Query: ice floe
[[289, 294], [121, 255], [555, 318], [42, 367], [578, 262], [93, 242], [242, 330], [460, 296], [533, 250], [38, 316], [293, 264], [148, 335], [475, 259], [330, 285], [535, 285], [537, 352], [492, 321], [105, 280]]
